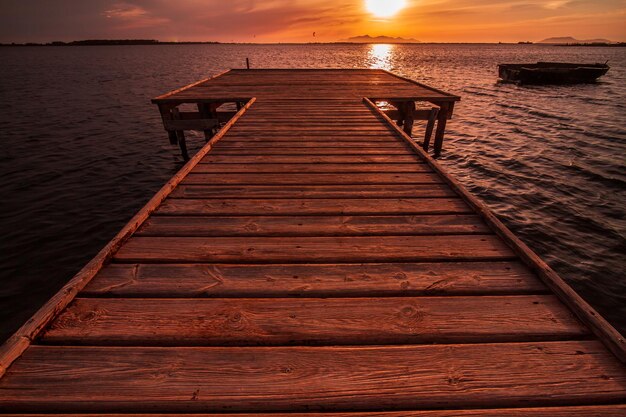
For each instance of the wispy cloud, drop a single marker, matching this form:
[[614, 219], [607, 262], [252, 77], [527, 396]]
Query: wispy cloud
[[132, 16]]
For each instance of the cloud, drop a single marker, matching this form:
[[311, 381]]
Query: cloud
[[556, 4], [131, 16]]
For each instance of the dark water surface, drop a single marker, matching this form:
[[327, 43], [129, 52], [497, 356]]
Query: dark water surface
[[83, 149]]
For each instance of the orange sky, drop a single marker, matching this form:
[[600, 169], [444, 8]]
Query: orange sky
[[296, 20]]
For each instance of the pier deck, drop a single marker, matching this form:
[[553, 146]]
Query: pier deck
[[311, 258]]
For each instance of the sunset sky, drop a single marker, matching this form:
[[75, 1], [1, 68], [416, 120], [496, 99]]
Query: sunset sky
[[296, 20]]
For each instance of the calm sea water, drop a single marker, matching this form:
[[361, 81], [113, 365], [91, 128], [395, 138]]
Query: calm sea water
[[83, 149]]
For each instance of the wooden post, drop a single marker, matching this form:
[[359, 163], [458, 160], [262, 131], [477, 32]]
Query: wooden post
[[166, 114], [432, 118], [409, 117], [442, 119], [400, 106], [180, 135], [205, 113], [248, 63]]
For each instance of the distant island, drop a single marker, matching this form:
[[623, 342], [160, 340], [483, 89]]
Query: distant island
[[571, 40], [364, 39], [377, 39]]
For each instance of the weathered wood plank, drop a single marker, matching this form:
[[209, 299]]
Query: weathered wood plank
[[299, 178], [314, 249], [299, 207], [310, 159], [338, 133], [311, 225], [312, 378], [612, 410], [266, 137], [302, 125], [289, 280], [310, 151], [309, 321], [304, 122], [312, 191], [312, 168], [232, 145]]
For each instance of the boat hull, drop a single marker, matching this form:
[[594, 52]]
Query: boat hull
[[551, 73]]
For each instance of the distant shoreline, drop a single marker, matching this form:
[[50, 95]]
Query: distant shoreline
[[150, 42]]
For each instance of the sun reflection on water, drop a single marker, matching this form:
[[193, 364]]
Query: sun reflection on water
[[379, 56]]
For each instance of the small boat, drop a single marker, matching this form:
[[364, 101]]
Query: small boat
[[551, 73]]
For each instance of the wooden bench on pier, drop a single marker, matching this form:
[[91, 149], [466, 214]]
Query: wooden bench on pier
[[312, 260]]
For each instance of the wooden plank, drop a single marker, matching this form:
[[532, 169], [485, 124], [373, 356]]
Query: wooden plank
[[310, 151], [312, 130], [311, 225], [308, 159], [311, 168], [240, 379], [314, 249], [311, 321], [280, 115], [311, 178], [265, 137], [320, 206], [343, 280], [311, 191], [232, 145], [612, 410], [302, 121], [365, 135]]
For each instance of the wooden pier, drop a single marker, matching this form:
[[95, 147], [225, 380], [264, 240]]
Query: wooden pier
[[313, 260]]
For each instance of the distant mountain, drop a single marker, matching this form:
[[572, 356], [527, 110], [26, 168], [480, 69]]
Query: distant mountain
[[378, 39], [569, 39]]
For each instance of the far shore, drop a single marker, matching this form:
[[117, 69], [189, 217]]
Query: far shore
[[151, 42]]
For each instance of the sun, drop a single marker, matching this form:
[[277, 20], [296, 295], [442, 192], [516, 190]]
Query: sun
[[384, 8]]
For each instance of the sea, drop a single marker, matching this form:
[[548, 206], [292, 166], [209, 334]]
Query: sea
[[83, 149]]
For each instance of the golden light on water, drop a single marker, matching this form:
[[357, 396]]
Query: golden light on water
[[379, 56], [384, 8]]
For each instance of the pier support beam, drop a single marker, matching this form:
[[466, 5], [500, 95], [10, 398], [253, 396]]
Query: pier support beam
[[442, 119], [166, 116], [207, 111], [405, 115], [409, 117], [180, 135], [430, 126]]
